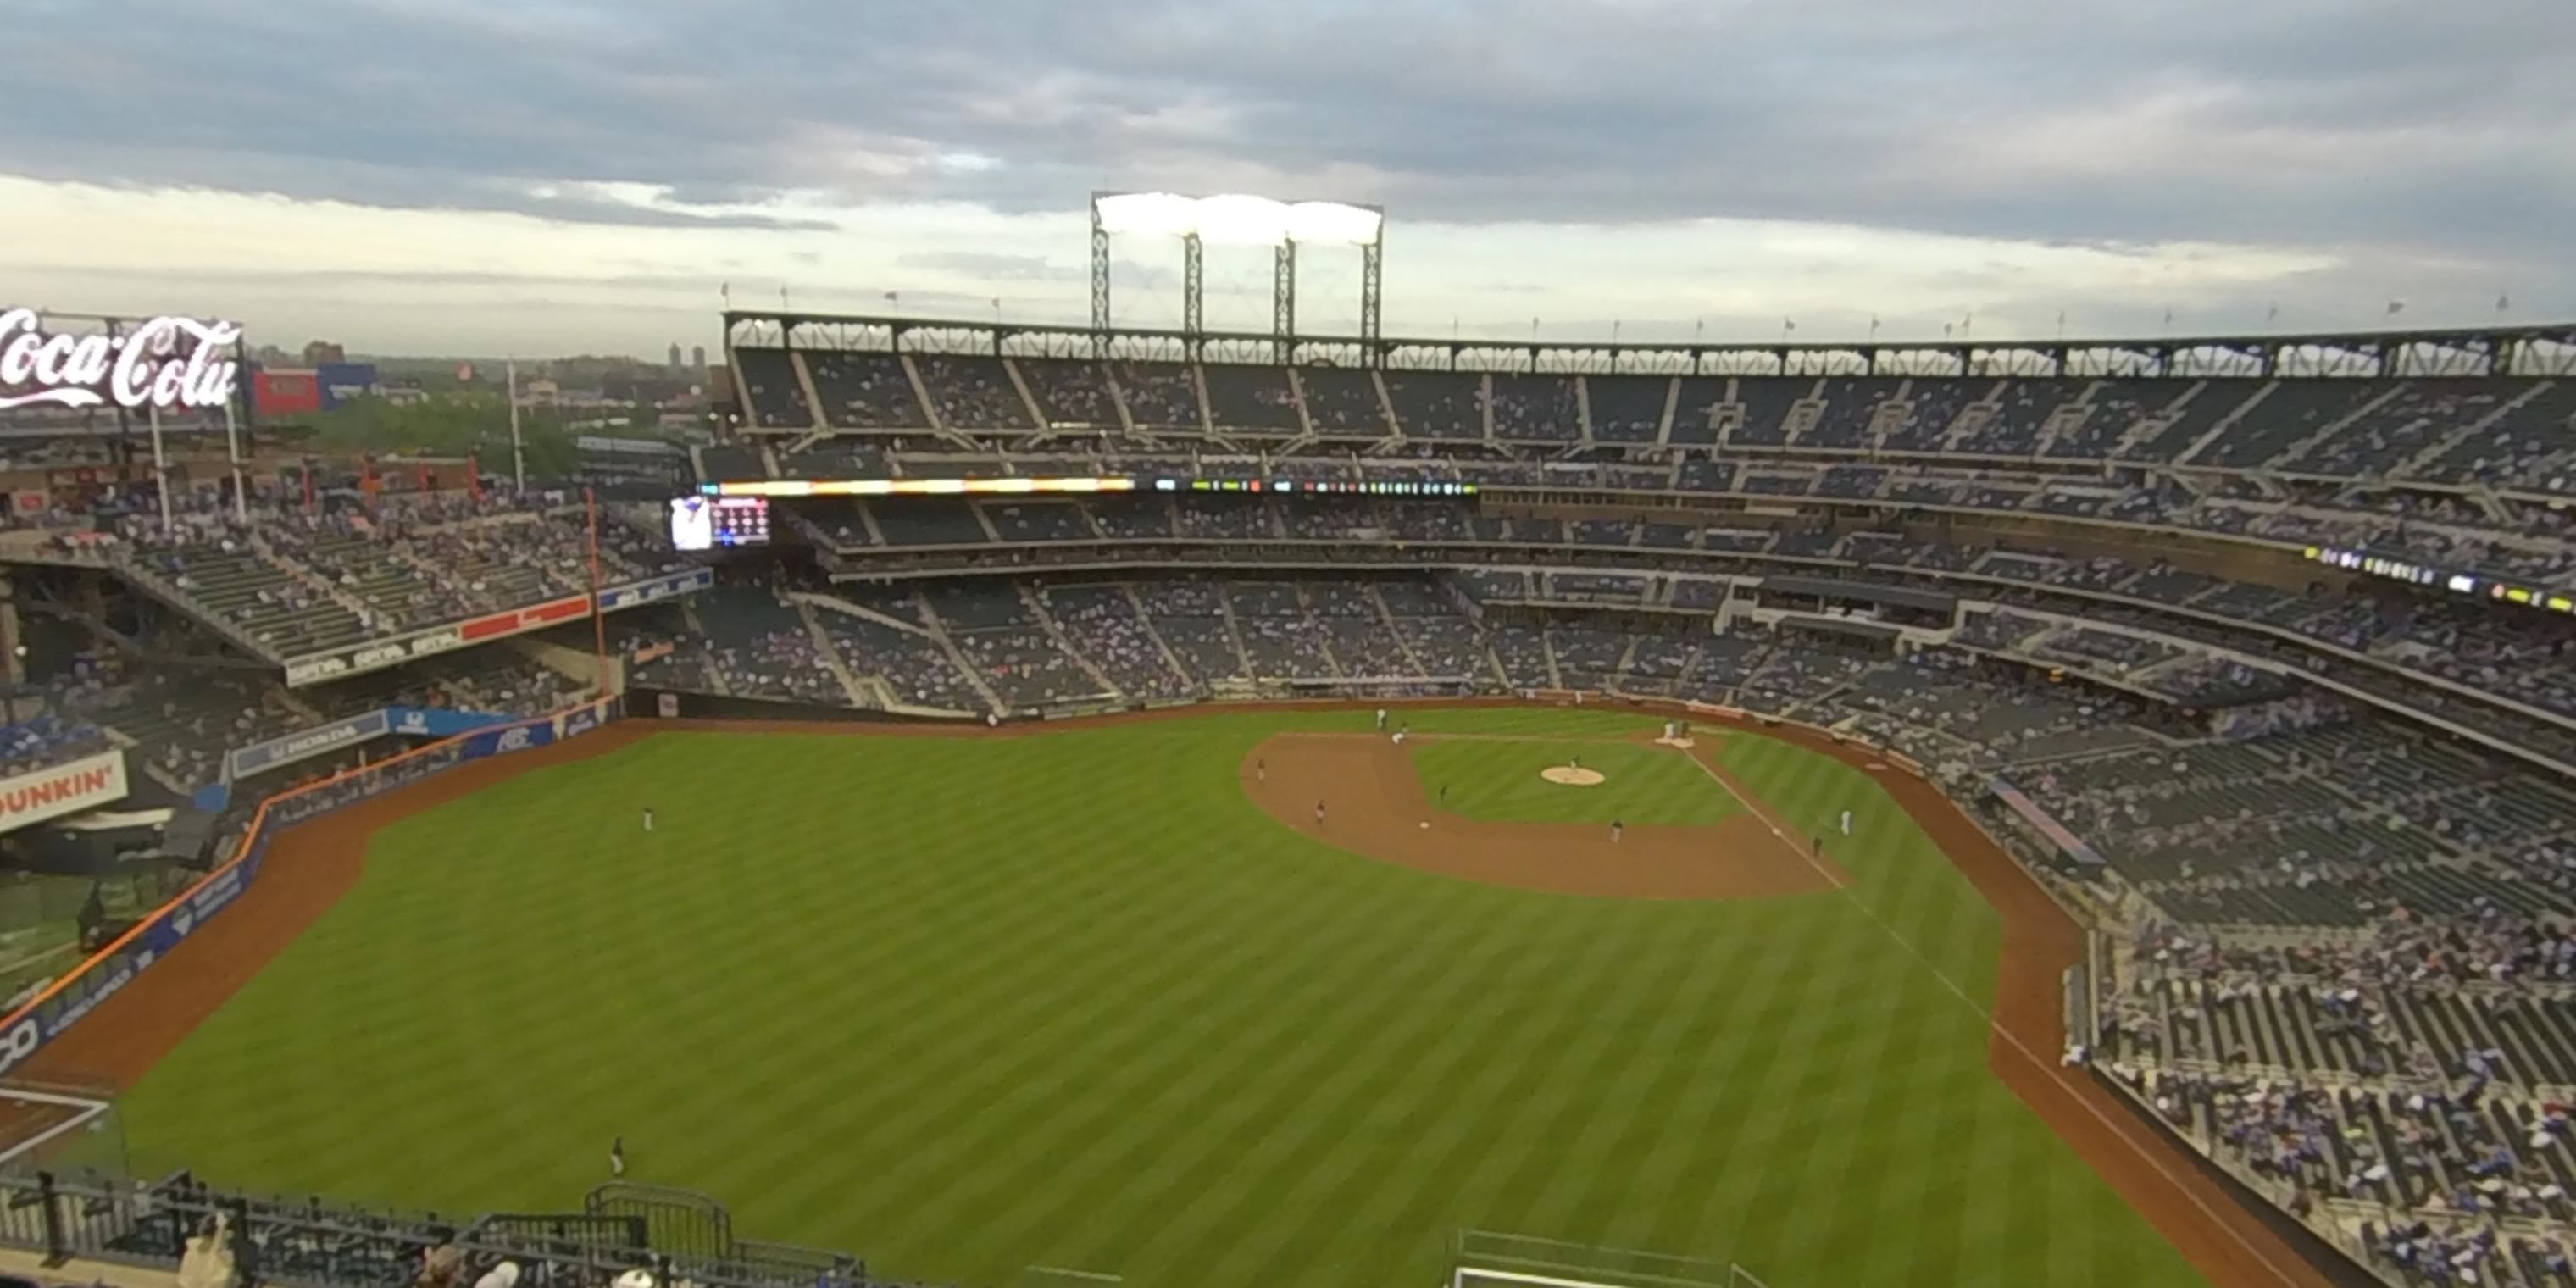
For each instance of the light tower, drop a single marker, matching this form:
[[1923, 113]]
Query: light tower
[[1240, 221]]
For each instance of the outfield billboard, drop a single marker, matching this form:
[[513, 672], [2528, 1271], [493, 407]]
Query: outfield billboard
[[57, 790], [305, 744], [338, 382], [279, 392]]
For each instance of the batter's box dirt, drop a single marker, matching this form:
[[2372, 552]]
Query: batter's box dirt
[[1374, 806]]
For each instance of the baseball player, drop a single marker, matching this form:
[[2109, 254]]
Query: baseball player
[[1381, 720], [1319, 816], [1616, 827], [617, 1155], [648, 818], [1261, 771]]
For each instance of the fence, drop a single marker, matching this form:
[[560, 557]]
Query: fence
[[80, 990], [306, 1241], [1491, 1259]]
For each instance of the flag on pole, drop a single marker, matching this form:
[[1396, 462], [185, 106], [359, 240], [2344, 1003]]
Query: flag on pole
[[2503, 303], [2272, 314], [891, 296], [2168, 317], [2396, 307], [725, 290], [1947, 328], [1788, 324]]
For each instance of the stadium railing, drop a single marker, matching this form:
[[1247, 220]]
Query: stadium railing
[[65, 1002], [309, 1241]]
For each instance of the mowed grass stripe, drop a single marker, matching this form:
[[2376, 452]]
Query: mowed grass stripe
[[1256, 1037], [1321, 1228], [1353, 1060], [1483, 997], [971, 1005], [1510, 1080]]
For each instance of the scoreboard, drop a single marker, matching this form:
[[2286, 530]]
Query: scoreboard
[[719, 522]]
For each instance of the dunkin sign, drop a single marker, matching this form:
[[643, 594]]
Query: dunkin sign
[[58, 790], [171, 363]]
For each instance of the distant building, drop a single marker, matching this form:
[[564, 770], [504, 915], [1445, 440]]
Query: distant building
[[698, 358], [321, 352], [675, 355]]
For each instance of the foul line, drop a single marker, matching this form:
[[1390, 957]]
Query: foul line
[[2122, 1130], [1093, 1276], [1764, 815]]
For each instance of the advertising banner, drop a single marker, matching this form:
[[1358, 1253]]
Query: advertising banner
[[317, 667], [2067, 843], [581, 720], [304, 744], [57, 790], [646, 592], [338, 382], [285, 393], [531, 618], [172, 363], [438, 722]]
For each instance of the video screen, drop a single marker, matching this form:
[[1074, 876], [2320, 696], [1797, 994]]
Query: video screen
[[710, 523]]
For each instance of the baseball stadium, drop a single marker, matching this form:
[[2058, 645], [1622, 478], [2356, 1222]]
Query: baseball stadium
[[1077, 806]]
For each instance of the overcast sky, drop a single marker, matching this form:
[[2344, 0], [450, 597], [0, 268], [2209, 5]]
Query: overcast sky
[[537, 176]]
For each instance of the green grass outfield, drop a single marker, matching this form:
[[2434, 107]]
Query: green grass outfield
[[1499, 782], [971, 1006]]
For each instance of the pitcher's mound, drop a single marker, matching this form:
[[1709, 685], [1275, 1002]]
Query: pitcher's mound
[[1569, 776]]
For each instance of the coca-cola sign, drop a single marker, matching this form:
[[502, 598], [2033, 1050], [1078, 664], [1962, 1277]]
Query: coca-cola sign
[[171, 363]]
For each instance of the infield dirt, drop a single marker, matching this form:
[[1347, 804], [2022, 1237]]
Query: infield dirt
[[1374, 806]]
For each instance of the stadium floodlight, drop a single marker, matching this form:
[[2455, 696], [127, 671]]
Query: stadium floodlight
[[1236, 219]]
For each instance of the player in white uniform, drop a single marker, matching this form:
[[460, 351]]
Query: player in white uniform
[[693, 524]]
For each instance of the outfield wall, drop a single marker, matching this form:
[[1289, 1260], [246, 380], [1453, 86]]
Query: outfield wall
[[102, 975]]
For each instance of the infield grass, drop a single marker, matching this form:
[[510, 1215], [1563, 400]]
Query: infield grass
[[1498, 781], [971, 1006]]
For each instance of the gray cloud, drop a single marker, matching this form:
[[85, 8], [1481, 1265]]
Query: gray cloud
[[2443, 131], [994, 268]]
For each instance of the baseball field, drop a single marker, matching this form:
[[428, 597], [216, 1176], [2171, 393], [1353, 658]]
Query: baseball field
[[1116, 1002]]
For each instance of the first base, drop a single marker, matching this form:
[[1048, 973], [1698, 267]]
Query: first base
[[1426, 822]]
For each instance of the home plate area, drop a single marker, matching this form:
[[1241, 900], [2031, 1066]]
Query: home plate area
[[1373, 803]]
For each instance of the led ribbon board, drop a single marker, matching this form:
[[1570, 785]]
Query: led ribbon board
[[1082, 486], [917, 487], [2458, 583]]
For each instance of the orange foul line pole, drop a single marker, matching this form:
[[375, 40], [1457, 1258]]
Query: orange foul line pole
[[598, 618]]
